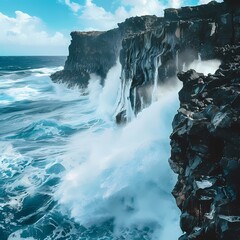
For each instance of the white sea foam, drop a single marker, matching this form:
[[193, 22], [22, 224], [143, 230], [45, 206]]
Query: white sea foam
[[123, 173], [17, 236], [205, 67], [61, 92], [105, 98], [108, 97], [9, 93], [35, 87], [39, 72], [11, 161], [94, 89], [22, 93]]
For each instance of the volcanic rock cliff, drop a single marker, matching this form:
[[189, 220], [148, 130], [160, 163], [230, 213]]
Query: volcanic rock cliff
[[89, 52], [205, 140], [206, 150], [153, 57], [96, 52], [152, 50]]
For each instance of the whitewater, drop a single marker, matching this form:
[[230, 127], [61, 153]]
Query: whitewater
[[68, 171]]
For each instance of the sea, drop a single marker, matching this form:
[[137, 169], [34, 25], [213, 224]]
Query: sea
[[68, 171]]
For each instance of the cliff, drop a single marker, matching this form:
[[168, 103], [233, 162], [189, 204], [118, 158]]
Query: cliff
[[96, 52], [206, 150], [153, 57], [90, 52], [152, 50], [205, 140]]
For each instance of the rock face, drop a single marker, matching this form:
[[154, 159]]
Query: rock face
[[152, 50], [89, 52], [96, 52], [152, 57], [206, 150]]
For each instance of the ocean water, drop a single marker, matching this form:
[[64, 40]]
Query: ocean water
[[67, 171]]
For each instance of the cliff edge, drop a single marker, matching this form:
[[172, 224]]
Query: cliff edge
[[205, 152], [95, 52]]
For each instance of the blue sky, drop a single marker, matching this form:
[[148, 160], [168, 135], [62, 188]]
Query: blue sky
[[42, 27]]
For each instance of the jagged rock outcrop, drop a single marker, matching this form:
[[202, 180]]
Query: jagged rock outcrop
[[206, 150]]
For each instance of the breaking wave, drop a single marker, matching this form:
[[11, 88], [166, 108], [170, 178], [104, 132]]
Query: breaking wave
[[69, 172]]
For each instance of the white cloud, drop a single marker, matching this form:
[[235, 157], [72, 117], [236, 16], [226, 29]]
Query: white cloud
[[207, 1], [94, 17], [97, 18], [75, 7], [25, 34], [143, 7], [175, 3]]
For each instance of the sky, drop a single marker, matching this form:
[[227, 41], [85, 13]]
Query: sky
[[42, 27]]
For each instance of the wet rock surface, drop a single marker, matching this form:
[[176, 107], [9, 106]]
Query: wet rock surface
[[205, 150]]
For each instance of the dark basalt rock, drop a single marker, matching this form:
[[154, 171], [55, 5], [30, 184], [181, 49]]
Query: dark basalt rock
[[211, 11], [206, 151], [157, 54], [232, 3], [89, 52], [137, 24], [96, 52]]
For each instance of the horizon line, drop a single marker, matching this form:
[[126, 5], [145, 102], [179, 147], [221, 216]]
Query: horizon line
[[33, 55]]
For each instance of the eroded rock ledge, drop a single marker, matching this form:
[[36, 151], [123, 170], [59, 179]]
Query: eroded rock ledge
[[89, 52], [206, 150]]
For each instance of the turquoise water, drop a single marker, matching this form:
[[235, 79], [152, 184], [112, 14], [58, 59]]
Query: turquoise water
[[67, 170]]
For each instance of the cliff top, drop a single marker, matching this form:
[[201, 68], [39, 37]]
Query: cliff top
[[140, 23], [87, 33], [209, 10]]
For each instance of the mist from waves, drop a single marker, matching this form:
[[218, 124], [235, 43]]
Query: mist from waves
[[122, 173], [204, 66]]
